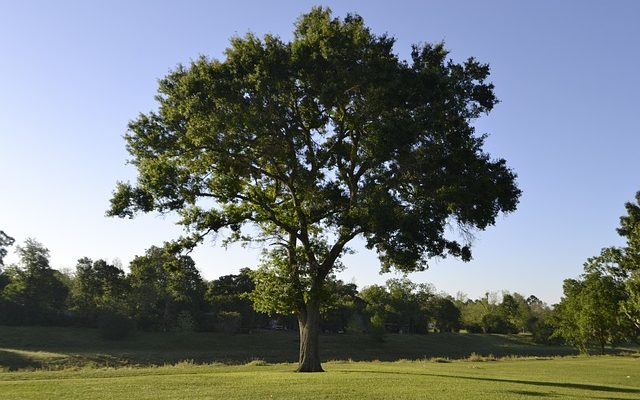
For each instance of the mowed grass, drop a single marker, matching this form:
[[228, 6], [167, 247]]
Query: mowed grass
[[51, 347], [603, 377]]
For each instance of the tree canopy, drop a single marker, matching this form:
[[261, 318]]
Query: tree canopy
[[317, 141]]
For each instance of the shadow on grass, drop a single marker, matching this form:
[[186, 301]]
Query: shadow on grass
[[531, 393], [566, 385], [13, 361]]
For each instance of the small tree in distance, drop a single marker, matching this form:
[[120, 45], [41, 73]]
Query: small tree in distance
[[5, 241], [318, 141]]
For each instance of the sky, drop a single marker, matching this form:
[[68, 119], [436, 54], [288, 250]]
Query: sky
[[73, 73]]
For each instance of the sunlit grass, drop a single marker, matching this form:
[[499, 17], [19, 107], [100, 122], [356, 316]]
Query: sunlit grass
[[563, 378]]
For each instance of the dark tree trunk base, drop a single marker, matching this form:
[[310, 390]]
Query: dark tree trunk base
[[309, 324], [304, 368]]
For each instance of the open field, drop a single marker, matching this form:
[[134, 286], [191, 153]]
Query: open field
[[72, 363], [605, 377], [51, 347]]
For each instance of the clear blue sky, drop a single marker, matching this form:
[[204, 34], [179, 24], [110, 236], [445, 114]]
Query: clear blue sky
[[72, 74]]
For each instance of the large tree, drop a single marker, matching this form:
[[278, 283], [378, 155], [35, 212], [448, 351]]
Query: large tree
[[318, 141]]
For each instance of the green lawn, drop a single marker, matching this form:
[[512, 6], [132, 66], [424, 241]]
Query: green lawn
[[73, 363], [36, 348], [606, 377]]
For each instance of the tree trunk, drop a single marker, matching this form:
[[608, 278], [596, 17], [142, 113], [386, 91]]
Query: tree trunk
[[309, 324]]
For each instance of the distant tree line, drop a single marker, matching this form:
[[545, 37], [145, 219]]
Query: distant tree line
[[164, 291]]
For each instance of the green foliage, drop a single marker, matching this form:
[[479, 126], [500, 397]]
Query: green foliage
[[483, 315], [512, 314], [542, 321], [604, 306], [35, 293], [328, 136], [162, 285], [231, 293], [343, 310], [97, 287], [401, 305], [185, 322], [589, 313], [444, 313], [5, 241]]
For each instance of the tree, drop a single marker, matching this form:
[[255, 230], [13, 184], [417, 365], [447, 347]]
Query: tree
[[318, 141], [401, 306], [230, 293], [589, 313], [5, 241], [628, 260], [35, 290], [97, 287], [445, 314], [162, 285], [623, 263], [517, 311], [485, 315]]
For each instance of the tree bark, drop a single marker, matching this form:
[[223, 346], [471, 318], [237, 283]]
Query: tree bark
[[309, 324]]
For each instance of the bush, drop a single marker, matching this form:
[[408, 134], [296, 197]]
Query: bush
[[114, 325]]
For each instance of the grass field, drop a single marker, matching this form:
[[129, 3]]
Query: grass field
[[70, 363], [606, 377]]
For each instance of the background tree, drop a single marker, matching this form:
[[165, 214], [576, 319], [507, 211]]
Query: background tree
[[35, 292], [317, 141], [400, 306], [231, 293], [444, 313], [484, 315], [542, 323], [5, 241], [98, 287], [623, 263], [344, 309], [609, 292], [589, 313], [517, 312], [162, 286]]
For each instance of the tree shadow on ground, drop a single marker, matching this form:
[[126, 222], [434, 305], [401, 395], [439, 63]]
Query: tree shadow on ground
[[12, 361], [531, 393], [565, 385]]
